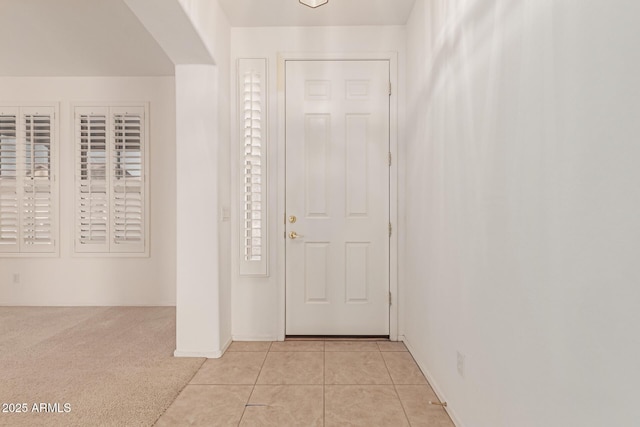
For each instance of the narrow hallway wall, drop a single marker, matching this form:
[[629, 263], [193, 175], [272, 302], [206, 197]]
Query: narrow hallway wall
[[523, 209]]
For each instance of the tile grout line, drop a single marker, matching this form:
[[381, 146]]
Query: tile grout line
[[255, 383], [395, 389]]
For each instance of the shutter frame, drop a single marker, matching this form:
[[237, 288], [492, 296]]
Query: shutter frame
[[128, 207], [92, 193], [253, 241], [29, 200], [123, 203], [39, 201], [9, 197]]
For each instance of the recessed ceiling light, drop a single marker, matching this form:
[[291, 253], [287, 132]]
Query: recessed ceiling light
[[314, 3]]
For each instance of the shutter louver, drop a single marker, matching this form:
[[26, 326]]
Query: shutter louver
[[111, 183], [8, 185], [38, 204], [252, 167], [128, 182], [28, 204], [252, 93], [92, 198]]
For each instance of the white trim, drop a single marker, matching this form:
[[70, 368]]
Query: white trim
[[434, 385], [90, 304], [256, 338], [393, 197], [226, 345], [252, 268], [280, 273], [109, 107], [207, 354]]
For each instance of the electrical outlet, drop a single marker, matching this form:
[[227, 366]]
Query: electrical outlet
[[460, 363], [16, 278]]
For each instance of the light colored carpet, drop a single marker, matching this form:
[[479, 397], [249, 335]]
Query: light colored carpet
[[114, 366]]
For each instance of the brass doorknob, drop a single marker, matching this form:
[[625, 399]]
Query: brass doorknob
[[293, 235], [292, 219]]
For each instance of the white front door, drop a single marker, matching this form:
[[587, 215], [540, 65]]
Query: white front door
[[337, 197]]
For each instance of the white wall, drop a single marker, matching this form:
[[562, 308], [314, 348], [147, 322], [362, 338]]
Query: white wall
[[72, 280], [258, 303], [198, 298], [204, 256], [523, 209]]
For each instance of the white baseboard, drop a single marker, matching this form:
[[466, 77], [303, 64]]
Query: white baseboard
[[434, 384], [254, 338], [85, 305], [207, 354], [226, 345]]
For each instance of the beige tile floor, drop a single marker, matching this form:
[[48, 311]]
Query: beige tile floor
[[308, 383]]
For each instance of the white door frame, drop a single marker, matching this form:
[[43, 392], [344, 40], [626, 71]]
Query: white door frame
[[392, 57]]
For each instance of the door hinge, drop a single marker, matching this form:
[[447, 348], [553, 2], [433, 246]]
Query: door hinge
[[390, 229], [389, 158], [389, 298], [389, 88]]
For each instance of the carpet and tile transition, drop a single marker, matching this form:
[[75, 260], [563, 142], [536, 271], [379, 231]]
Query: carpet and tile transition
[[89, 366]]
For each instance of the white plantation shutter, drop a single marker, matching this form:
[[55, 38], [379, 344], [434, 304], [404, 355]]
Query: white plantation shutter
[[28, 205], [111, 184], [252, 93], [9, 214], [92, 189], [37, 210], [127, 156]]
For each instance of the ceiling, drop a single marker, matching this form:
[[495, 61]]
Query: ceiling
[[105, 38], [274, 13], [76, 38]]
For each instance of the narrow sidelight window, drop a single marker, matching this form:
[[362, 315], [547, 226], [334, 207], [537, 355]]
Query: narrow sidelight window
[[253, 138]]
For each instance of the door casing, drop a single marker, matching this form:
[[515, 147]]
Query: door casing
[[392, 57]]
